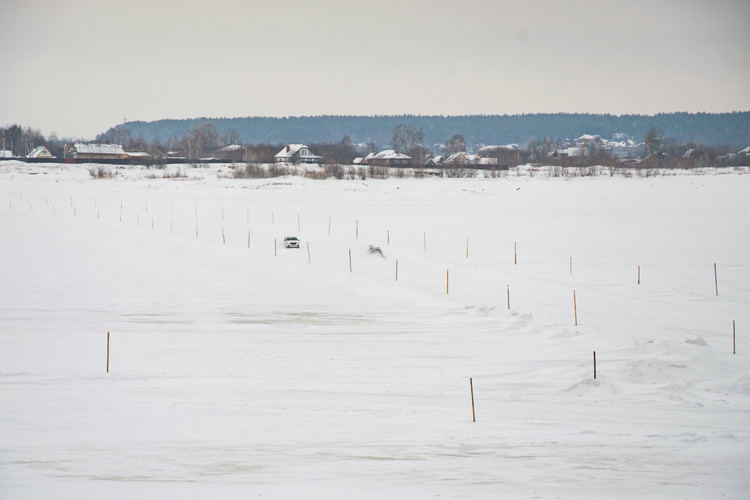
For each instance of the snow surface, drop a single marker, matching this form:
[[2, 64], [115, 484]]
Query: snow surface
[[241, 372]]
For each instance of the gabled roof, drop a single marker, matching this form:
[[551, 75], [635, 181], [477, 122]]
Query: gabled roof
[[290, 150], [388, 154], [38, 151], [98, 149]]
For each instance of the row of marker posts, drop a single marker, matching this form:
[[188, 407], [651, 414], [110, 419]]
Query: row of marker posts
[[447, 289]]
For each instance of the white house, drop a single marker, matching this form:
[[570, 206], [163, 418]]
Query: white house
[[297, 153]]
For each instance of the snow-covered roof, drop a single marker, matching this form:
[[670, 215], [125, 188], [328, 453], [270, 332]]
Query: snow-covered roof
[[745, 151], [389, 154], [231, 147], [569, 152], [98, 149], [6, 153], [290, 150], [491, 149], [138, 154]]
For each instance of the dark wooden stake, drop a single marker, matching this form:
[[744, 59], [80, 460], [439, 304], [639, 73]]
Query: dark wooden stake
[[575, 309], [473, 412], [594, 365], [107, 352]]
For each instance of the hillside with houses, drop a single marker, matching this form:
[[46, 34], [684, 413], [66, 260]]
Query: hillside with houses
[[406, 144]]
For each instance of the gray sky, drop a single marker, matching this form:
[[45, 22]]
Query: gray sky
[[78, 67]]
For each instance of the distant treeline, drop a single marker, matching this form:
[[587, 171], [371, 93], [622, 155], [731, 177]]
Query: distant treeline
[[731, 129]]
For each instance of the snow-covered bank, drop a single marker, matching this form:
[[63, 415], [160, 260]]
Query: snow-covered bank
[[242, 368]]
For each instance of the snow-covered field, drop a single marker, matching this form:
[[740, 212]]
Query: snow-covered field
[[241, 369]]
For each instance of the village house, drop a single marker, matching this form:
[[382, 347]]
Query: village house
[[39, 152], [82, 151], [297, 153], [388, 158]]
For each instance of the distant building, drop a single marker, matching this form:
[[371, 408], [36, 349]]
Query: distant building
[[297, 153], [233, 152], [137, 155], [433, 161], [6, 153], [388, 158], [84, 151], [39, 152], [462, 158]]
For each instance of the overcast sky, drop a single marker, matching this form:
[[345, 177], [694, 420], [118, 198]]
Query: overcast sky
[[78, 67]]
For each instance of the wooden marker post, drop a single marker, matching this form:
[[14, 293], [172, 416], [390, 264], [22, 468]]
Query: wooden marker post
[[388, 236], [473, 412], [734, 338], [248, 238], [639, 275], [223, 239], [274, 247], [356, 229], [396, 269], [508, 286], [299, 224], [716, 280], [467, 247], [447, 280], [594, 365], [308, 253], [273, 220], [515, 253], [107, 352], [350, 260], [575, 309]]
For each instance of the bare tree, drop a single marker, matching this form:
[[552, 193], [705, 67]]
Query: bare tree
[[456, 144]]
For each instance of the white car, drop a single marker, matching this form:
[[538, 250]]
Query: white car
[[291, 242]]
